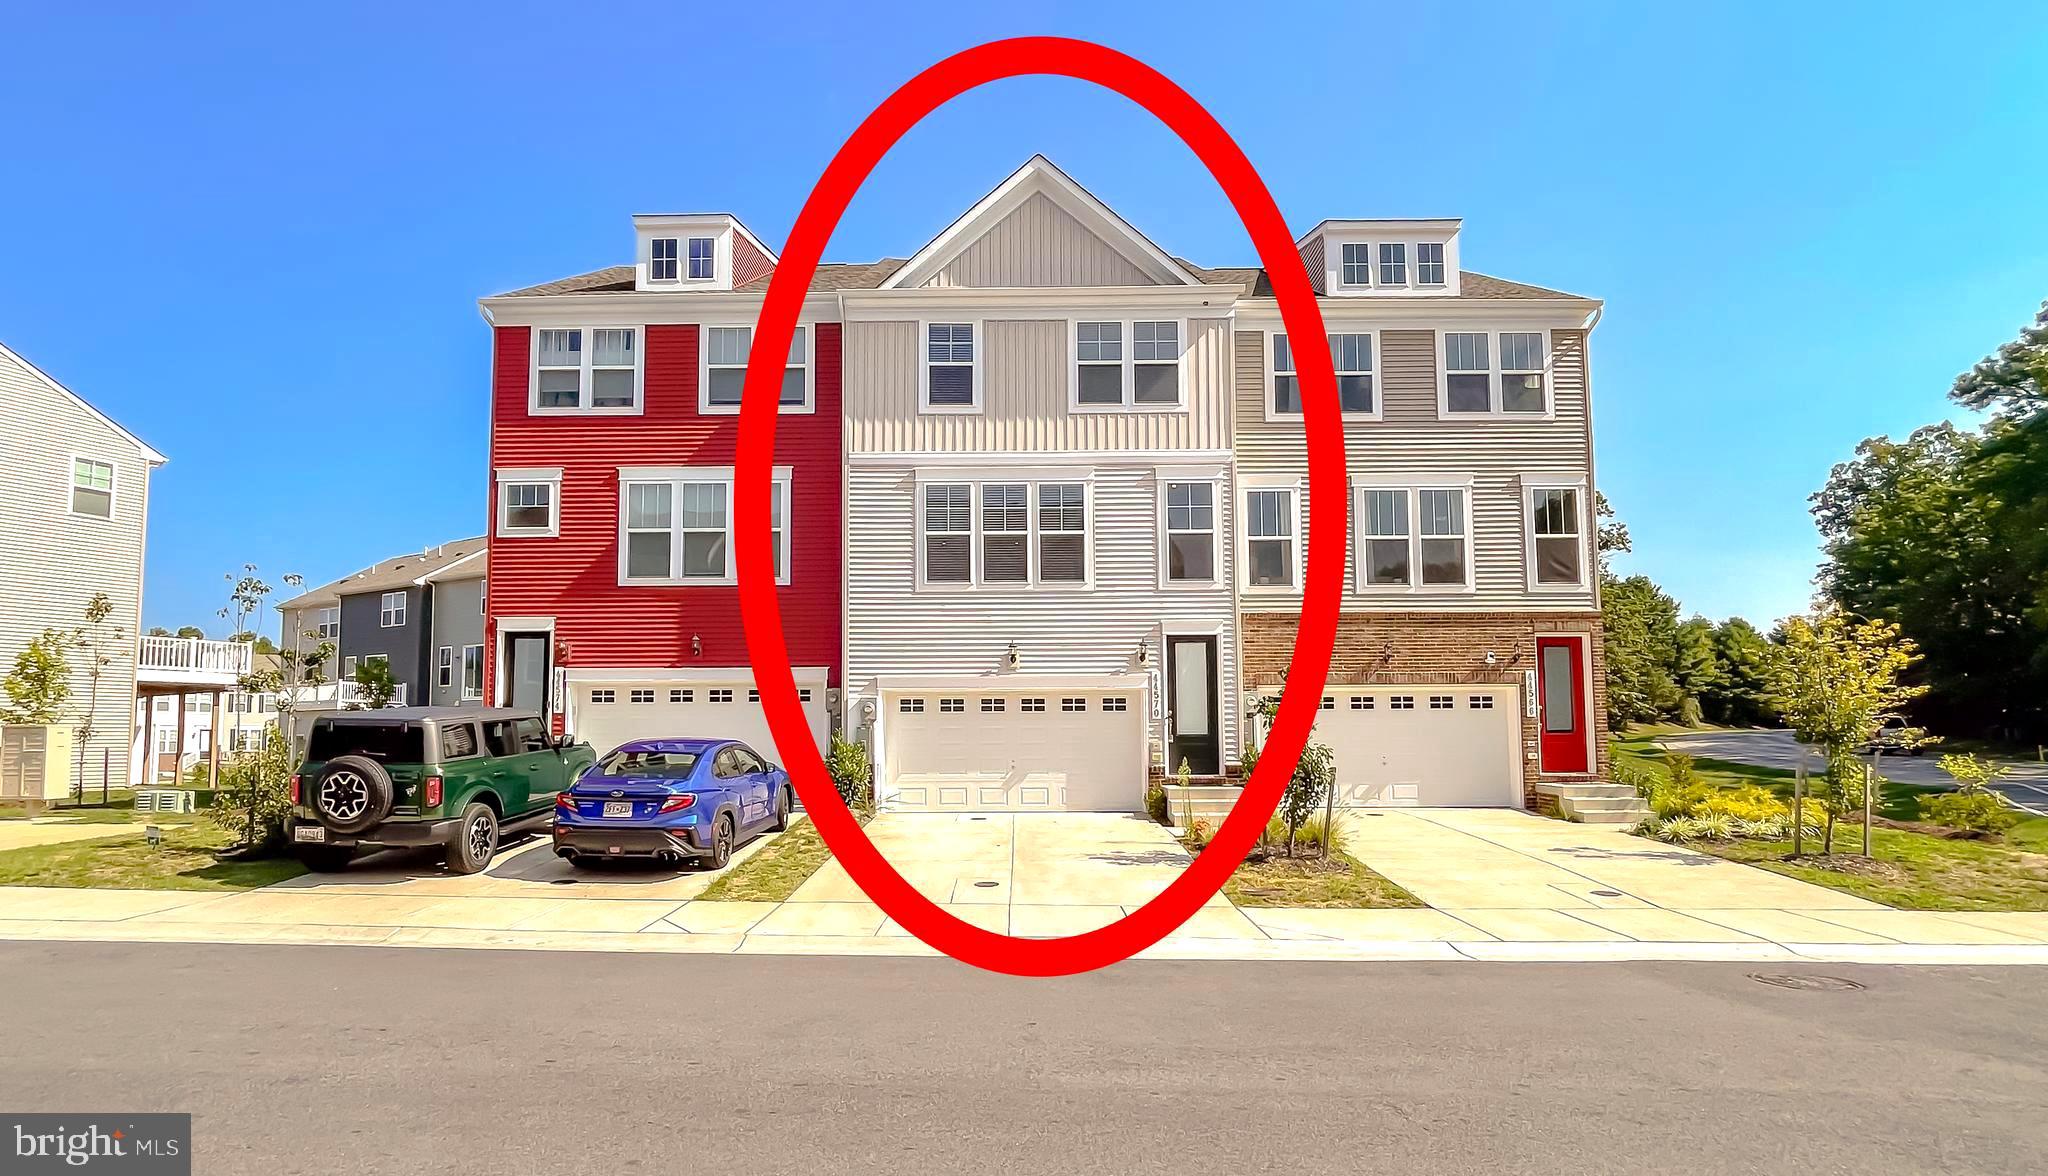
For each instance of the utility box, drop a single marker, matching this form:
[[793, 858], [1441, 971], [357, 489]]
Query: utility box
[[35, 764]]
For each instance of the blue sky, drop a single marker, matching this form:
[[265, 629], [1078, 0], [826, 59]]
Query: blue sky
[[255, 234]]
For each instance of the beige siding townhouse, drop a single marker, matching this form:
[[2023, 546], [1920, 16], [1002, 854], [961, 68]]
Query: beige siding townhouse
[[74, 509], [1467, 664], [1039, 579]]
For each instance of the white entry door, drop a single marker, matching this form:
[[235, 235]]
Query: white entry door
[[1423, 745], [1051, 749], [606, 714]]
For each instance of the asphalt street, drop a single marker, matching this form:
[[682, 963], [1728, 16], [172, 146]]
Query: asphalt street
[[2026, 786], [338, 1059]]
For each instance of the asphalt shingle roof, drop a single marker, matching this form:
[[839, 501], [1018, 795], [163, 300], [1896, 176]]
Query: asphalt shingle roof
[[396, 572]]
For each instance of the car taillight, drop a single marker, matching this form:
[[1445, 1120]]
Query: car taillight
[[678, 803], [565, 802], [433, 792], [295, 788]]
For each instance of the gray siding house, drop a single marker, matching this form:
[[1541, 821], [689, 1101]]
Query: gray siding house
[[388, 611]]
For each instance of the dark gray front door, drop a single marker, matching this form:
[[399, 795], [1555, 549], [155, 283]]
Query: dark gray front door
[[1191, 701], [526, 671]]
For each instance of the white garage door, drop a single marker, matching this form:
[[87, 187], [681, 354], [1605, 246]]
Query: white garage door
[[1423, 745], [610, 713], [1073, 750]]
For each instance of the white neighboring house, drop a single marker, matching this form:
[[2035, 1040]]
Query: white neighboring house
[[74, 508], [242, 720]]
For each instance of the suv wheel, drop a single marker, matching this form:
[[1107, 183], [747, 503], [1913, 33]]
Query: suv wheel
[[781, 810], [476, 839], [353, 794], [721, 844]]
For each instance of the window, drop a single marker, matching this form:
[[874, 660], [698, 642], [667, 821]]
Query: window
[[910, 706], [661, 261], [348, 669], [950, 379], [703, 264], [1401, 702], [391, 610], [472, 672], [92, 488], [1062, 532], [682, 696], [804, 695], [1328, 703], [1155, 362], [1073, 705], [678, 529], [1474, 383], [1286, 398], [724, 369], [1033, 705], [642, 695], [1413, 538], [1481, 702], [1191, 532], [1429, 263], [327, 622], [1357, 265], [948, 535], [718, 696], [1394, 264], [1352, 357], [1441, 702], [1099, 358], [1361, 702], [532, 736], [1556, 539], [603, 696], [444, 666], [1269, 542], [1116, 704], [527, 502], [952, 706], [991, 706], [753, 695], [572, 377], [1005, 534]]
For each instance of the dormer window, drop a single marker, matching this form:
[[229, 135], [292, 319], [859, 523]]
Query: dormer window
[[703, 266], [1393, 264], [1357, 265], [661, 262], [1429, 263]]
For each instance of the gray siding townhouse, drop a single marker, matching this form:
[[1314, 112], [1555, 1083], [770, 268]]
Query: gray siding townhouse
[[390, 611]]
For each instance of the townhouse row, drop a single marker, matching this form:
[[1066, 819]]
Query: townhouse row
[[1039, 506]]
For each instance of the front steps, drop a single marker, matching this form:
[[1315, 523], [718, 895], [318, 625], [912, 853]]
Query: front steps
[[1200, 802], [1595, 802]]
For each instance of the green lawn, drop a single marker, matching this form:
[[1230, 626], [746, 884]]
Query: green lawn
[[118, 808], [773, 874], [1908, 869], [1340, 881], [125, 860]]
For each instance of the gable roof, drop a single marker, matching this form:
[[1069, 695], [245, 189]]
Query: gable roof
[[400, 571], [149, 454], [1039, 176]]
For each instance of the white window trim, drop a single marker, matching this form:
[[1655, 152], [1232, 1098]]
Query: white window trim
[[444, 666], [1219, 498], [810, 404], [924, 366], [1129, 349], [71, 487], [681, 260], [1030, 480], [319, 624], [550, 476], [637, 408], [1379, 391], [469, 695], [721, 251], [1493, 374], [1411, 248], [1530, 486], [1246, 485], [677, 477], [1415, 260], [1412, 486], [385, 609]]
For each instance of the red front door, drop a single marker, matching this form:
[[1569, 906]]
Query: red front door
[[1561, 689]]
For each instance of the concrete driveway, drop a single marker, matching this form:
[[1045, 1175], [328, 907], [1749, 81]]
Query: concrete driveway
[[1026, 874], [2026, 787]]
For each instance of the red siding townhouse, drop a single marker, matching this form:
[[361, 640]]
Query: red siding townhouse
[[611, 597]]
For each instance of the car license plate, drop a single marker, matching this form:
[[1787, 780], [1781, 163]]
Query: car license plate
[[309, 833], [618, 808]]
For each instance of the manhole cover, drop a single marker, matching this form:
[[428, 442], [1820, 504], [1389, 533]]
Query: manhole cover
[[986, 885], [1807, 983], [1608, 893]]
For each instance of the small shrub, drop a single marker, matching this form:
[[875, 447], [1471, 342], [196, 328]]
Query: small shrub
[[1981, 812], [1972, 775], [1677, 802], [1679, 829], [1748, 803], [1690, 714], [1155, 802], [853, 773], [1632, 775], [1683, 775], [1714, 826], [1313, 834]]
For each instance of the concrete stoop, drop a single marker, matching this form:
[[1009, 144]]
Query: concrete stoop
[[1595, 802], [1201, 802]]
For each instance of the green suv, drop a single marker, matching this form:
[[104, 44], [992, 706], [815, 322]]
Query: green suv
[[456, 777]]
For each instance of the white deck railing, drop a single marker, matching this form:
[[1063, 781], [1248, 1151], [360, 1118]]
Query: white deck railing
[[193, 656]]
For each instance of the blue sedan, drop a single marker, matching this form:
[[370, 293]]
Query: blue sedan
[[671, 800]]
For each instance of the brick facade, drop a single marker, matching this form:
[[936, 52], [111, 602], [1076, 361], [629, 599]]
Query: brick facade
[[1393, 648]]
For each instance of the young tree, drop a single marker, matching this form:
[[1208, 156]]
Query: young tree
[[1838, 684], [374, 679], [39, 689], [255, 798], [99, 643], [192, 631], [1315, 774]]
